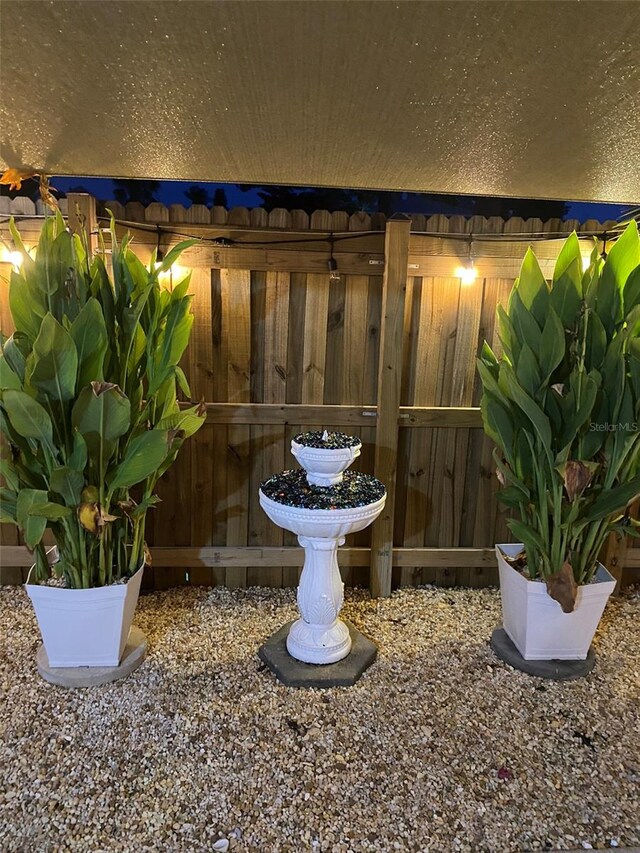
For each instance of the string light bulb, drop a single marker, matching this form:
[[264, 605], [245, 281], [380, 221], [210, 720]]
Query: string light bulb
[[334, 275], [467, 272], [14, 258]]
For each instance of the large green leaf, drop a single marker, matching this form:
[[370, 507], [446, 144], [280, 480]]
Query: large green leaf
[[50, 511], [8, 379], [582, 403], [54, 367], [12, 350], [189, 420], [138, 347], [491, 384], [530, 408], [28, 417], [10, 474], [173, 254], [507, 334], [89, 333], [183, 384], [55, 271], [143, 456], [566, 291], [525, 324], [78, 458], [33, 527], [570, 254], [67, 483], [510, 477], [527, 371], [621, 260], [8, 506], [552, 347], [596, 341], [526, 534], [173, 343], [27, 306], [631, 293], [101, 414], [614, 500], [532, 287]]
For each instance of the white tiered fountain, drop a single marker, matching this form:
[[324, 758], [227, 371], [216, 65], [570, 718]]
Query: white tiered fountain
[[321, 504]]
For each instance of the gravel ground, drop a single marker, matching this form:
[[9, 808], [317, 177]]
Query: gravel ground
[[439, 747]]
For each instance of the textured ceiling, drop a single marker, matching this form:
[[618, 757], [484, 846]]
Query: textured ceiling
[[503, 98]]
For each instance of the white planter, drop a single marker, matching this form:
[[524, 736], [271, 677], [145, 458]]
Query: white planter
[[325, 467], [85, 627], [536, 623]]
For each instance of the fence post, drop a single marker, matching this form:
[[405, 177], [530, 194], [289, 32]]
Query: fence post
[[81, 210], [614, 553], [394, 285]]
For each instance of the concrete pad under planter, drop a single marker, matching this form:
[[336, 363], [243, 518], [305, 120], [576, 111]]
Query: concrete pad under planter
[[556, 670], [91, 676], [295, 673]]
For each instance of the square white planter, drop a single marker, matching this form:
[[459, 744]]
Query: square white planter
[[85, 627], [536, 623]]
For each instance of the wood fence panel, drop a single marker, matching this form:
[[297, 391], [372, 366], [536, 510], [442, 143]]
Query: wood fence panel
[[271, 328]]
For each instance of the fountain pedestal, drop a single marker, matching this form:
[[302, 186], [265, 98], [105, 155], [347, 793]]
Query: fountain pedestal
[[299, 504], [319, 636]]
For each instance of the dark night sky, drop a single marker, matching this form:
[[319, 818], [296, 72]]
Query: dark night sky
[[173, 192]]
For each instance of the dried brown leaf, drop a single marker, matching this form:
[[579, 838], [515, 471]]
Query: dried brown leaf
[[563, 588]]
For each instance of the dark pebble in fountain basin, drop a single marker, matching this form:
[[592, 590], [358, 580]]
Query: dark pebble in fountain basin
[[334, 441], [293, 489]]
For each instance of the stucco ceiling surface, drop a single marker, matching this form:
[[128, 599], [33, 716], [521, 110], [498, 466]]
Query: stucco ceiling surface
[[533, 99]]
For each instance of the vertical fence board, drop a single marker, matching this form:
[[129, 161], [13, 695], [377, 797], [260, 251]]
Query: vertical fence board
[[236, 314], [315, 338], [335, 342], [389, 380], [270, 457]]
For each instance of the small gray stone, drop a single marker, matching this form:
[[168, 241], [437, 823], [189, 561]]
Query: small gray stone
[[91, 676], [556, 670], [295, 673]]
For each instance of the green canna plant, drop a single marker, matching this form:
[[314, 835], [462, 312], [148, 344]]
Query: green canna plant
[[88, 408], [562, 405]]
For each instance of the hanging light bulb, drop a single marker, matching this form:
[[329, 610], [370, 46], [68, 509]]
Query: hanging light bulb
[[467, 273], [164, 276], [334, 275], [13, 258]]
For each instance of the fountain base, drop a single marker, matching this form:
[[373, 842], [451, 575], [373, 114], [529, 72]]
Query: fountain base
[[295, 673], [319, 643]]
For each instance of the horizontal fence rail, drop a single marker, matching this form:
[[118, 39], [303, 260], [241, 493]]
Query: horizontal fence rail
[[387, 352]]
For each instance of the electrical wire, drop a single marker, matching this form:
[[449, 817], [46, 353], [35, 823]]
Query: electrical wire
[[336, 236]]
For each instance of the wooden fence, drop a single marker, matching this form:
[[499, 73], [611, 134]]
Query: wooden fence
[[386, 352]]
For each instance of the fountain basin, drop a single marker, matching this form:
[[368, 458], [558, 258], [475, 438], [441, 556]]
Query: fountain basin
[[321, 523], [325, 466]]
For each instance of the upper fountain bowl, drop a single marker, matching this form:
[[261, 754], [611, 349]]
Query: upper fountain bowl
[[325, 456]]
